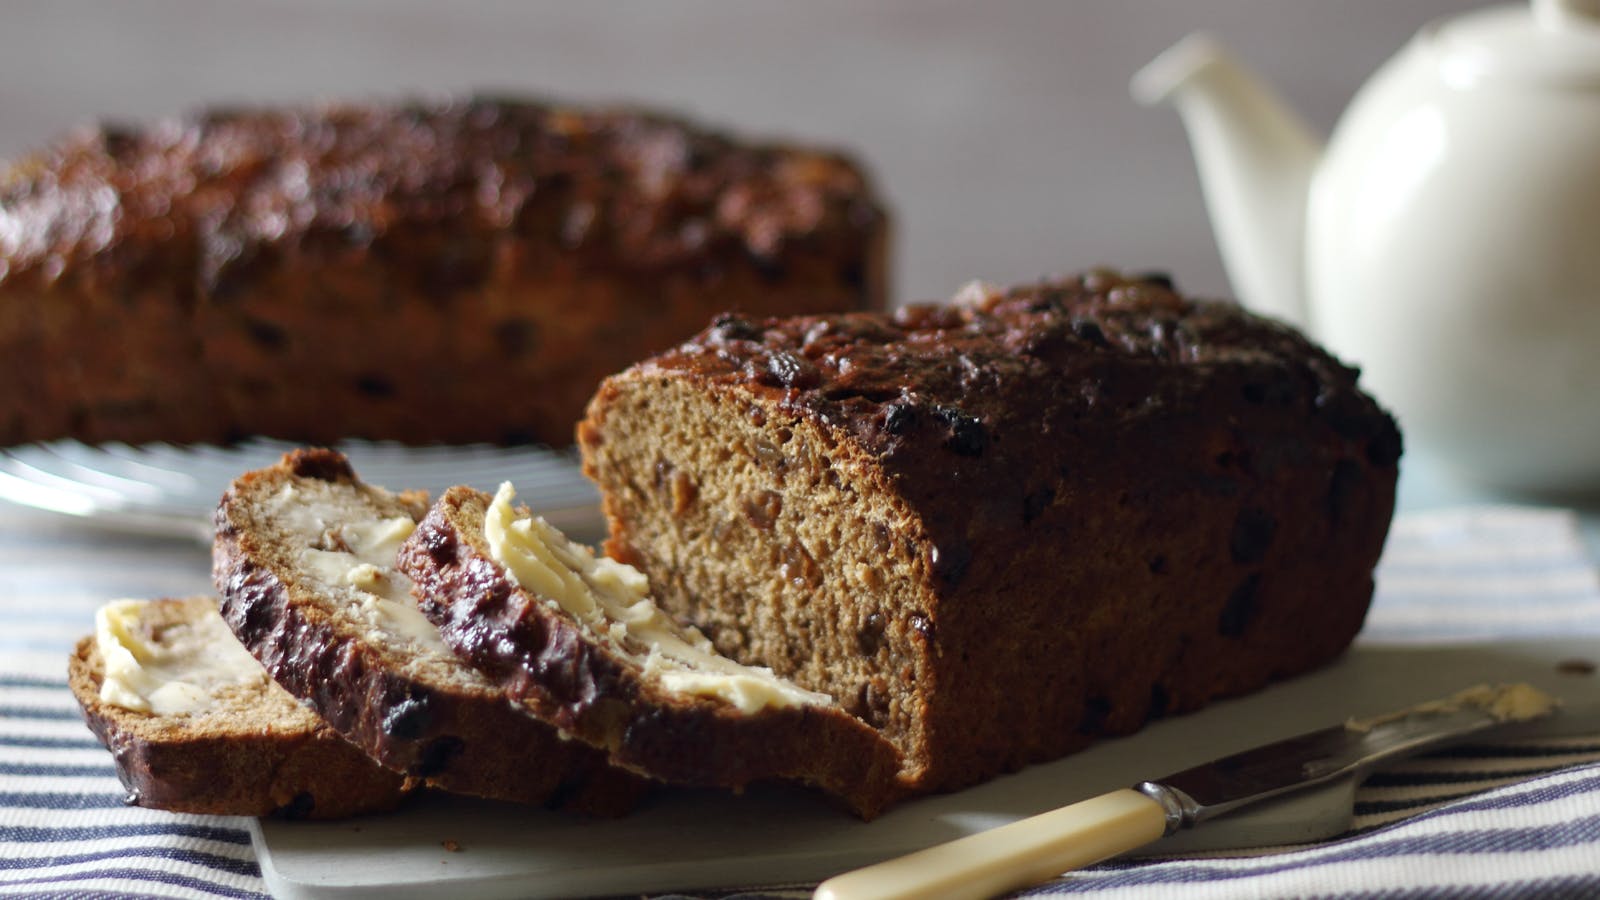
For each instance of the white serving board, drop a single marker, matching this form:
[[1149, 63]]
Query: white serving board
[[682, 840]]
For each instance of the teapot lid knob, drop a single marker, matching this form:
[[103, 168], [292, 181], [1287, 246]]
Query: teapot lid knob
[[1546, 43], [1558, 14]]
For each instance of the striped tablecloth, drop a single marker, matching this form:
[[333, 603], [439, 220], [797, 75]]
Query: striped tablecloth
[[1520, 819]]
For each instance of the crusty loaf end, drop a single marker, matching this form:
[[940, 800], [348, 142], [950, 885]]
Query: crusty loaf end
[[249, 750]]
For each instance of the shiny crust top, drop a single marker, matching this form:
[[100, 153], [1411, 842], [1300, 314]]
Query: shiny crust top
[[637, 190], [957, 372]]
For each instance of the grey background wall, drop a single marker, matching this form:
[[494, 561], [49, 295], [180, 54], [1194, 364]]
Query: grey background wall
[[1002, 132]]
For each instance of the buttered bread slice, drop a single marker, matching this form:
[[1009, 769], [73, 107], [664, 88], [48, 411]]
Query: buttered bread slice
[[304, 561], [196, 725], [577, 641]]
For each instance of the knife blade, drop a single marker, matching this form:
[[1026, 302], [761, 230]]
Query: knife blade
[[1090, 831]]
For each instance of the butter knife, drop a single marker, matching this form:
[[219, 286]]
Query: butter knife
[[1043, 846]]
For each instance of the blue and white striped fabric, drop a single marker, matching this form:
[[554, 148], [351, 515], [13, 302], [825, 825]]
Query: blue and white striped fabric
[[64, 830], [1492, 573], [1493, 821]]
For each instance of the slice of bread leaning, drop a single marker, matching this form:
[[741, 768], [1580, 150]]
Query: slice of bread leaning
[[196, 725], [577, 641], [304, 561]]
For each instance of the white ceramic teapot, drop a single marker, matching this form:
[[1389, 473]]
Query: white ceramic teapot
[[1447, 240]]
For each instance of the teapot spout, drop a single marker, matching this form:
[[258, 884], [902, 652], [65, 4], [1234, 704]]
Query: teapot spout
[[1255, 158]]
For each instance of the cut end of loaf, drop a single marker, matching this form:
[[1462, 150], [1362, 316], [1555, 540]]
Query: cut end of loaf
[[774, 539], [610, 604]]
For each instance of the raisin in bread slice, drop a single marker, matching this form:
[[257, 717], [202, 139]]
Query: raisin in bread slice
[[304, 561], [196, 725], [577, 641]]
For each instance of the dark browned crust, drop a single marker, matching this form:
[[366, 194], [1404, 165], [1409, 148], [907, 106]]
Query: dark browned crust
[[468, 743], [367, 270], [1127, 504], [312, 774], [588, 689]]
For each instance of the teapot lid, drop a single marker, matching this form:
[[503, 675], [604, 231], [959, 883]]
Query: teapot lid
[[1549, 42]]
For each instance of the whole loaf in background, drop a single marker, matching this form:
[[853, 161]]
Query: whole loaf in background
[[998, 529], [420, 271]]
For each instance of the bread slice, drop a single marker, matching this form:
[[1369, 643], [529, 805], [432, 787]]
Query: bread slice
[[196, 725], [303, 559], [575, 639]]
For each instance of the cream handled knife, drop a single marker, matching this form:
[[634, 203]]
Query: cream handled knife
[[1041, 847]]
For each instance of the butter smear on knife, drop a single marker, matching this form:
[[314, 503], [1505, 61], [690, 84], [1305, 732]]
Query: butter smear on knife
[[1505, 702]]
